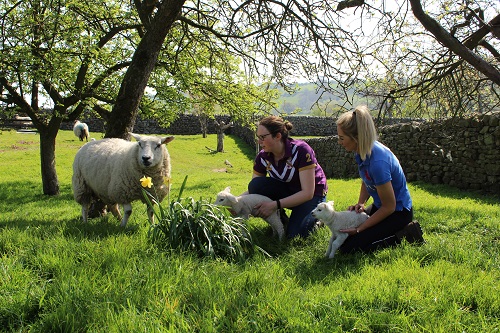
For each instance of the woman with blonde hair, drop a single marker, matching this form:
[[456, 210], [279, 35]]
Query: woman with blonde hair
[[286, 170], [383, 179]]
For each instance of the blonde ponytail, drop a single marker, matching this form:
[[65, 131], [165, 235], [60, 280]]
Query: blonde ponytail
[[360, 127]]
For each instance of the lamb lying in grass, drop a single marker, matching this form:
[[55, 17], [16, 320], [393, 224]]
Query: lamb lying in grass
[[337, 221], [243, 205]]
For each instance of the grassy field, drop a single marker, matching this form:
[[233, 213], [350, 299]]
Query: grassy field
[[59, 275]]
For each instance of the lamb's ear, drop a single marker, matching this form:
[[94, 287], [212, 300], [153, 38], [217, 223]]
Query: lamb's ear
[[167, 139], [227, 189], [137, 137], [330, 203], [232, 198]]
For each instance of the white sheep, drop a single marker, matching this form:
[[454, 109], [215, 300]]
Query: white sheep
[[243, 205], [336, 221], [81, 130], [111, 169]]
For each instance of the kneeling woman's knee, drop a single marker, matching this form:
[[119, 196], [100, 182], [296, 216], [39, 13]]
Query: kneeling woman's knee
[[256, 185], [267, 186]]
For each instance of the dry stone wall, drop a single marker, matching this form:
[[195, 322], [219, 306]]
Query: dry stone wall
[[464, 153]]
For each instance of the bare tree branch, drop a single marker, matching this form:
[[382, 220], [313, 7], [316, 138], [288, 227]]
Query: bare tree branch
[[453, 44]]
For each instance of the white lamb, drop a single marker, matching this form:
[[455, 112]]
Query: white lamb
[[111, 169], [337, 221], [243, 205], [81, 130]]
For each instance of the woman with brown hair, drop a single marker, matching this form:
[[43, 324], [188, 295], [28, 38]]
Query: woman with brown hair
[[295, 179]]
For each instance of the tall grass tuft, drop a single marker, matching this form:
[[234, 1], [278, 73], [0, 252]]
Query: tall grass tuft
[[199, 226], [206, 229]]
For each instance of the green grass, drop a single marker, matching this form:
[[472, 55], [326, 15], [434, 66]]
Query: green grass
[[59, 275]]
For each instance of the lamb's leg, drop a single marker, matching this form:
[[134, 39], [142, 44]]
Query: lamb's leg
[[277, 226], [127, 211], [114, 209], [280, 231], [328, 249], [341, 237]]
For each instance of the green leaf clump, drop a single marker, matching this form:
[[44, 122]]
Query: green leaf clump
[[197, 225]]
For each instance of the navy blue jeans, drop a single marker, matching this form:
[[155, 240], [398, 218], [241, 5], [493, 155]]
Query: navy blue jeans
[[301, 221]]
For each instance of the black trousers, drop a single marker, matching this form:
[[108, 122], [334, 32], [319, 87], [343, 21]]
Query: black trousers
[[380, 235]]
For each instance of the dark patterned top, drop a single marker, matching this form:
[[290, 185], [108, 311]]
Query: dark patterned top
[[298, 156]]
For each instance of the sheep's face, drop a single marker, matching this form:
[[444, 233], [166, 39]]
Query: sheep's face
[[150, 152], [323, 211], [225, 198]]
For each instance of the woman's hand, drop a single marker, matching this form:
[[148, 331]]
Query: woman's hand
[[350, 231], [265, 209], [358, 208]]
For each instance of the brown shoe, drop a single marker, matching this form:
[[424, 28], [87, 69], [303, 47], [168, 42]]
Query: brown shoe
[[412, 233]]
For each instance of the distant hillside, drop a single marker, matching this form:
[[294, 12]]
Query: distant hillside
[[305, 98]]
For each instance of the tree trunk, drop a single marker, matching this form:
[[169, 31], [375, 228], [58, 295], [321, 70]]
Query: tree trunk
[[221, 127], [48, 136], [122, 118], [220, 142], [203, 123], [124, 113]]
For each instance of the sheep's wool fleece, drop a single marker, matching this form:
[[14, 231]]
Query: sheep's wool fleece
[[110, 170]]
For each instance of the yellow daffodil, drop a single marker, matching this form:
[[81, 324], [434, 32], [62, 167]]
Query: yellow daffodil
[[146, 182]]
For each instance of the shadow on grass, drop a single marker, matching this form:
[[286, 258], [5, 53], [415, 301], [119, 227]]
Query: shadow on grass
[[16, 193], [245, 148], [455, 193], [95, 229], [98, 228], [317, 269], [262, 237]]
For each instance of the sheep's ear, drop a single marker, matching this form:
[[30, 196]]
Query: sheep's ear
[[232, 198], [167, 139], [330, 203], [135, 136], [227, 189]]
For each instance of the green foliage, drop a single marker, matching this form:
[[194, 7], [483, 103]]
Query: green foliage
[[58, 45], [75, 54], [206, 229]]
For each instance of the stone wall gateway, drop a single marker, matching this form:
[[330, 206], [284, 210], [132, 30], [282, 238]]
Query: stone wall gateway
[[463, 153]]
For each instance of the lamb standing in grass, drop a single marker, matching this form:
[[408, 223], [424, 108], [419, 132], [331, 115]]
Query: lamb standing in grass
[[243, 206], [337, 221], [111, 169], [81, 130]]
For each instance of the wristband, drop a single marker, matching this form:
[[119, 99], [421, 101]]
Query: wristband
[[278, 203]]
